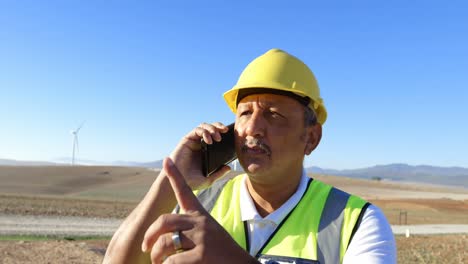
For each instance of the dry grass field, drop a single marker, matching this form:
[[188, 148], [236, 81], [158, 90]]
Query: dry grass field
[[112, 192], [52, 251], [433, 249], [99, 191], [87, 182], [450, 249]]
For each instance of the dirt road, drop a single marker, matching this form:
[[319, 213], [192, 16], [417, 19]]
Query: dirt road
[[430, 229], [418, 248], [82, 226], [57, 225]]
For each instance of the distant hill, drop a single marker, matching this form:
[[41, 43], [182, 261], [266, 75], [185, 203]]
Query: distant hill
[[9, 162], [403, 172], [456, 176], [152, 164], [66, 161]]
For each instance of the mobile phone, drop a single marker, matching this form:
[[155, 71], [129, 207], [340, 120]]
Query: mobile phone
[[218, 154]]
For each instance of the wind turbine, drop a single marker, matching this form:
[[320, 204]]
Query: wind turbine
[[75, 142]]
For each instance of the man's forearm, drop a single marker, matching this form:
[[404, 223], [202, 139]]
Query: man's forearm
[[125, 246]]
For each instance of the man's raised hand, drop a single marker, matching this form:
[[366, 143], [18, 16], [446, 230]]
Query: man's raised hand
[[202, 239]]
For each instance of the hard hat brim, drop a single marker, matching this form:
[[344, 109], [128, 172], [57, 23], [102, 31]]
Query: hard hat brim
[[231, 99]]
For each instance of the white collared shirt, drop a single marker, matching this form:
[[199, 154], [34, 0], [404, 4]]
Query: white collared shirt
[[373, 242], [261, 228]]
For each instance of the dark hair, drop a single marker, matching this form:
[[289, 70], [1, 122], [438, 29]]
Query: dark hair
[[310, 118]]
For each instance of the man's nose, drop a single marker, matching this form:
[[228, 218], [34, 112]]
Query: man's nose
[[255, 126]]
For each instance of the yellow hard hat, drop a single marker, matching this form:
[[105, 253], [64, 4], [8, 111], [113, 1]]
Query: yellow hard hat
[[278, 70]]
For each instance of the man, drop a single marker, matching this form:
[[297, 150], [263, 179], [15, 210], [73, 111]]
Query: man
[[272, 214]]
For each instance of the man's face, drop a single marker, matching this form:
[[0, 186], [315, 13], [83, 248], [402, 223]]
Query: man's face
[[271, 138]]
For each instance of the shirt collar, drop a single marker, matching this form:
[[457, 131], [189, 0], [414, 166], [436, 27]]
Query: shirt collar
[[249, 211]]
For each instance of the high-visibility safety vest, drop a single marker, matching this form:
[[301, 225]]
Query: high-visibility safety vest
[[317, 230]]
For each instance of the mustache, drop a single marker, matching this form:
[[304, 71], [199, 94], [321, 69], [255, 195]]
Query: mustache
[[255, 142]]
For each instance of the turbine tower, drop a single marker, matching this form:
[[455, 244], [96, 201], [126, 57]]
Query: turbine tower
[[75, 142]]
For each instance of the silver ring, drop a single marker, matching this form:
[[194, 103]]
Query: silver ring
[[176, 240]]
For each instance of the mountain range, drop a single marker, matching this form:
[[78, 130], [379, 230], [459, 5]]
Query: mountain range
[[456, 176]]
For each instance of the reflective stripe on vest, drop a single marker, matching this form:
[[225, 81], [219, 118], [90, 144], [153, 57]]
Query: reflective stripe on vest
[[318, 228]]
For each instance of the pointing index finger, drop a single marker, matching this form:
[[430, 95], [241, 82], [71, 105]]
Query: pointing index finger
[[183, 193]]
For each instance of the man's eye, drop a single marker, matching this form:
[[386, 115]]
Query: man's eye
[[275, 114], [245, 113]]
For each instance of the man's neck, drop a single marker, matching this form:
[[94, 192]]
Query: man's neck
[[268, 197]]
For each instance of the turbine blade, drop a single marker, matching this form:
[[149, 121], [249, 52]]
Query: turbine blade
[[78, 129]]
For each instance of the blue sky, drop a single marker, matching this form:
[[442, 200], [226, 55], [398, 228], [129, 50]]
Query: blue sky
[[393, 74]]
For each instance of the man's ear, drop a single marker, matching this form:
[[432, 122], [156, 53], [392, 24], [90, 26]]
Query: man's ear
[[314, 135]]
